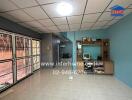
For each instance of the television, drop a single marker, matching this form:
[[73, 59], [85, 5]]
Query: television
[[86, 56]]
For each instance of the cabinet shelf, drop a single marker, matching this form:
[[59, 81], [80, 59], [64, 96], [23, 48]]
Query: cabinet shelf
[[104, 51]]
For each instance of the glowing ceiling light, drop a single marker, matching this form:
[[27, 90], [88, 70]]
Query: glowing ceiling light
[[64, 8]]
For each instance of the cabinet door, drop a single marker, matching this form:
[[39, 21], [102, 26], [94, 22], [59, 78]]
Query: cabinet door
[[109, 69], [80, 66]]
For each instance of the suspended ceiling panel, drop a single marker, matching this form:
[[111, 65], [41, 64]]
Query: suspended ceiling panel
[[48, 1], [100, 23], [46, 22], [24, 3], [95, 6], [85, 28], [26, 25], [106, 16], [96, 28], [63, 28], [112, 22], [8, 16], [6, 5], [74, 19], [53, 28], [36, 12], [60, 21], [87, 25], [74, 26], [21, 15], [42, 16], [78, 6], [34, 24], [51, 10], [91, 17]]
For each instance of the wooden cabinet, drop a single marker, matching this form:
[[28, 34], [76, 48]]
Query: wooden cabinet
[[80, 66], [108, 67], [104, 44], [105, 49]]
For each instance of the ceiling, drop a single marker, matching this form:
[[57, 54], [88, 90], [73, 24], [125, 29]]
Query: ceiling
[[41, 15]]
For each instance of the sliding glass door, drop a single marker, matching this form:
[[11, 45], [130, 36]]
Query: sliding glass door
[[23, 56], [6, 58], [36, 54], [19, 57]]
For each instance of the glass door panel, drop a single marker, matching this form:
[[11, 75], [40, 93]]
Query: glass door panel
[[21, 62], [36, 54], [23, 50], [6, 72], [5, 46], [21, 73], [20, 47]]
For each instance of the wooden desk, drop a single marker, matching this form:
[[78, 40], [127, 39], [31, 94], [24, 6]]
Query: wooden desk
[[108, 67]]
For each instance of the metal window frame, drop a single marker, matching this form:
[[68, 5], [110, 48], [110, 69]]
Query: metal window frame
[[14, 58], [36, 54]]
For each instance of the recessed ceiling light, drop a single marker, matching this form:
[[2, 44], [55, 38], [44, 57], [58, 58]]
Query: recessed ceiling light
[[64, 8]]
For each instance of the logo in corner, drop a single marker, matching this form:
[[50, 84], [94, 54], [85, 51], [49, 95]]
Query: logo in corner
[[117, 11]]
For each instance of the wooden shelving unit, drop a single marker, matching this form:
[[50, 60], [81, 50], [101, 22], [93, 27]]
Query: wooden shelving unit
[[105, 57]]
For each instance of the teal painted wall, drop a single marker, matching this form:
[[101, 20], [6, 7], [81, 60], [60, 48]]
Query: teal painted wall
[[94, 51], [73, 36], [120, 35]]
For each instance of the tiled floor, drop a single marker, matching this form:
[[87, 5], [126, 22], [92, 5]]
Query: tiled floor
[[43, 85]]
